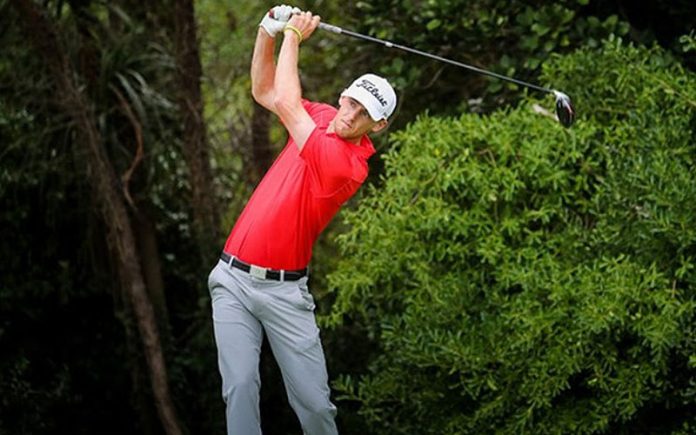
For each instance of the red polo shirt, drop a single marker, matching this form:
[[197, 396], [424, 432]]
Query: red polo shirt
[[299, 195]]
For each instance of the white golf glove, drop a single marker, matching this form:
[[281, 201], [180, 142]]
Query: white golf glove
[[281, 16]]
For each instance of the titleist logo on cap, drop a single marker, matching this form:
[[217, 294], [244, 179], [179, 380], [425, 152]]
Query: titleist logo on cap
[[371, 88]]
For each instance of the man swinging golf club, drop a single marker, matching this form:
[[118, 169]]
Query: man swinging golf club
[[260, 281]]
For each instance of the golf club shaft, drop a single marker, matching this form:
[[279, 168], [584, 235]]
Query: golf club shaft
[[339, 30]]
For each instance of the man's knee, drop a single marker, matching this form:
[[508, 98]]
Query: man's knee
[[241, 386], [320, 410]]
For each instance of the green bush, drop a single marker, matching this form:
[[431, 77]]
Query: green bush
[[519, 277]]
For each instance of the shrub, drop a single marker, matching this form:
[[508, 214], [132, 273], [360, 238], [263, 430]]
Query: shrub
[[519, 277]]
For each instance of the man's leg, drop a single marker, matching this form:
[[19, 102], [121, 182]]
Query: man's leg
[[294, 338], [238, 335]]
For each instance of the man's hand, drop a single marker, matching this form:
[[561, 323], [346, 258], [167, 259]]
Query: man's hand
[[275, 20], [305, 23]]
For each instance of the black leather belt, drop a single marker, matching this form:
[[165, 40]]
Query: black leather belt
[[262, 272]]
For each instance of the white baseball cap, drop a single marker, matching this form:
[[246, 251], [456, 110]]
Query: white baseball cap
[[375, 94]]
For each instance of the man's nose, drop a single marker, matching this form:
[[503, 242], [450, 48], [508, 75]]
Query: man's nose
[[353, 114]]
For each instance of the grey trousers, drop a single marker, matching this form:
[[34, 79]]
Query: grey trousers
[[244, 307]]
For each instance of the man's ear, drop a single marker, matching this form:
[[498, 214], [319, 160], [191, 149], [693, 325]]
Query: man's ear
[[381, 124]]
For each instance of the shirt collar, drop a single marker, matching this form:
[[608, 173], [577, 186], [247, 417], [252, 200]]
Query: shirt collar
[[365, 149]]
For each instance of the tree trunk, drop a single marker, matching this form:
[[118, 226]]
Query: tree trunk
[[141, 395], [206, 219], [88, 67], [144, 229], [103, 178]]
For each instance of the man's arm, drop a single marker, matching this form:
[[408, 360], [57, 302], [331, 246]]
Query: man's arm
[[263, 70], [287, 92], [262, 64]]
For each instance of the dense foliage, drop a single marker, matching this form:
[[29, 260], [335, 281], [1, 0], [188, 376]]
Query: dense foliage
[[523, 278], [71, 362]]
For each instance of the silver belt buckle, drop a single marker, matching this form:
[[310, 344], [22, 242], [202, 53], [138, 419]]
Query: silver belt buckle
[[258, 272]]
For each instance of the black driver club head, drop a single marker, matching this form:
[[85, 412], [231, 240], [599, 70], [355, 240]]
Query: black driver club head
[[564, 109]]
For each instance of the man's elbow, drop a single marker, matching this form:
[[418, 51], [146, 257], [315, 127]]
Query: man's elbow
[[285, 104], [265, 99], [257, 94]]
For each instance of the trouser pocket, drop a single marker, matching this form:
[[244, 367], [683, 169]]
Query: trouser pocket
[[307, 298]]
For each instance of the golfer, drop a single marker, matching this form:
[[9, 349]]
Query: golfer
[[260, 282]]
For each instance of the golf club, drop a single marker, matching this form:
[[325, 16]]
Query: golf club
[[565, 112], [564, 107]]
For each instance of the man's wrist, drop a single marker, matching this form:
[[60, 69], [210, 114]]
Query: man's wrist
[[294, 31], [262, 30]]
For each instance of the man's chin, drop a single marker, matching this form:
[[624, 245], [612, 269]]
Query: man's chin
[[343, 134]]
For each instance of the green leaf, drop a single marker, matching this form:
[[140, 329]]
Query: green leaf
[[433, 24]]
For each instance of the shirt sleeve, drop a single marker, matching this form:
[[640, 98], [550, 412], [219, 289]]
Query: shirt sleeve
[[320, 113]]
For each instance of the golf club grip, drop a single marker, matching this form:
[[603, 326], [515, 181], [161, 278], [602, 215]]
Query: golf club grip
[[330, 28]]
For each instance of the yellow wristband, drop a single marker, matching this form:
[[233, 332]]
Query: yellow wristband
[[294, 29]]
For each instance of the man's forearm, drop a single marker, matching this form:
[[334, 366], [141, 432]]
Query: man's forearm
[[287, 80], [263, 68]]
